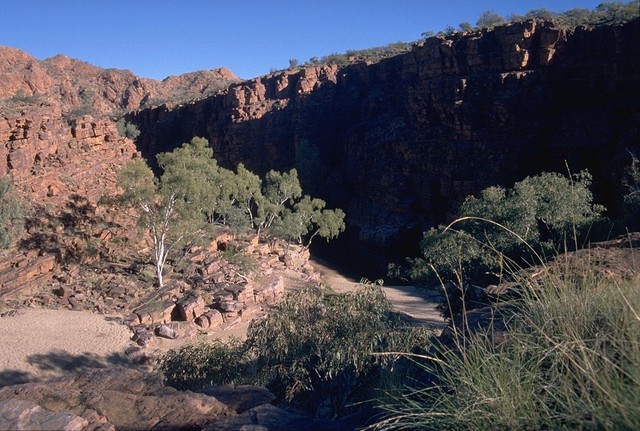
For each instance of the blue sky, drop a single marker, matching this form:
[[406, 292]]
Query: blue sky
[[158, 38]]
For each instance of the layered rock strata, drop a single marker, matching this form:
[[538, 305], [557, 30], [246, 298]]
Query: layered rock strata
[[400, 143]]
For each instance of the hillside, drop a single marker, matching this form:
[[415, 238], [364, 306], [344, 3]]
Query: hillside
[[63, 85]]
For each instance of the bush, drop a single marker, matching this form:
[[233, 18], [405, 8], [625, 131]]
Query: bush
[[12, 213], [127, 130], [205, 364], [570, 360], [503, 229], [315, 350]]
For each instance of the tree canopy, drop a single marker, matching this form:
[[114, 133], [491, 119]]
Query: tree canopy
[[194, 191], [522, 224]]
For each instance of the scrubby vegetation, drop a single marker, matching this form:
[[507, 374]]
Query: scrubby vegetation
[[569, 354], [570, 359], [505, 229], [607, 13], [316, 351], [12, 213], [127, 130]]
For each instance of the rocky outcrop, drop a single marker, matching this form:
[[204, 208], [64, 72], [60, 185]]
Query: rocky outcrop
[[65, 85], [49, 160], [129, 399], [61, 170], [400, 143]]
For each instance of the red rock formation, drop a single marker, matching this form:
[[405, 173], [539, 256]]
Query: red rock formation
[[50, 160], [52, 163], [65, 85], [400, 143]]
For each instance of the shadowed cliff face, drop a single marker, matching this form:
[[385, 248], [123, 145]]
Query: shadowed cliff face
[[400, 143]]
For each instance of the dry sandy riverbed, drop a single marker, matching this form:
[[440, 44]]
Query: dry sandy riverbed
[[38, 343]]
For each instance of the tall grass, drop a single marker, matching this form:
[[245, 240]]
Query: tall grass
[[570, 360]]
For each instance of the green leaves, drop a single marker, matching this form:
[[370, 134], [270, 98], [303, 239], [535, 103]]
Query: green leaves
[[12, 213], [317, 346], [517, 225], [194, 191]]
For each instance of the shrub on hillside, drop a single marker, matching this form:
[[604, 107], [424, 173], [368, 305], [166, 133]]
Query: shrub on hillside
[[127, 130], [12, 213]]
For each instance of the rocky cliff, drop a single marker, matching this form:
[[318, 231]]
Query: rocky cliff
[[63, 85], [398, 144]]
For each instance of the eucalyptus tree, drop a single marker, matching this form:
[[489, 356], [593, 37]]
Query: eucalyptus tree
[[162, 207]]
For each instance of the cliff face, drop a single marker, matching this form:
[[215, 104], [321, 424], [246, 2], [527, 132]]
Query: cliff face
[[50, 160], [400, 143], [63, 85]]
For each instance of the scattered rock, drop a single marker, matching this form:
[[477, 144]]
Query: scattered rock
[[210, 319], [155, 312], [166, 332]]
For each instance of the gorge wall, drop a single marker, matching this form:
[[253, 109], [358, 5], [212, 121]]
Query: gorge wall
[[398, 144]]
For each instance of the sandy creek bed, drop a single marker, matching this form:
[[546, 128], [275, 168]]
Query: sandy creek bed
[[40, 343]]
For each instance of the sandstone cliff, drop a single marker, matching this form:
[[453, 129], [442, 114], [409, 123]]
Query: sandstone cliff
[[65, 85], [398, 144]]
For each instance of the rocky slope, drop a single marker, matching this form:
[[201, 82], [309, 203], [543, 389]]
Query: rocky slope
[[65, 85], [398, 144]]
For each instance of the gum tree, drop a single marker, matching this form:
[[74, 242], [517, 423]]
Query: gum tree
[[162, 208]]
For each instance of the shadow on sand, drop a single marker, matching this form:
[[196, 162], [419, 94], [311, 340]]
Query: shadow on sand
[[60, 362]]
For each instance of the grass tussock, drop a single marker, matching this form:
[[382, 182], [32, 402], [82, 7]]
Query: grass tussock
[[570, 360]]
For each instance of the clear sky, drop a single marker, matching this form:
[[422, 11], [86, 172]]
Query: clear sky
[[158, 38]]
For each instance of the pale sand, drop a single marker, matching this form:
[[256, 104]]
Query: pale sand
[[40, 343], [419, 304]]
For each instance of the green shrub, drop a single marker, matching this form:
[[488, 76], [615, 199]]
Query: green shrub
[[205, 364], [503, 229], [315, 350], [127, 130], [12, 213], [570, 360]]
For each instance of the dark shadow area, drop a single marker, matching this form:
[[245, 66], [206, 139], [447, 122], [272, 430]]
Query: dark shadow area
[[69, 234], [15, 377], [60, 360]]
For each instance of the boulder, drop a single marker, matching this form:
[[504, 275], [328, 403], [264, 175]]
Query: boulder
[[165, 332], [127, 399], [26, 415], [190, 308], [210, 319], [155, 312]]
